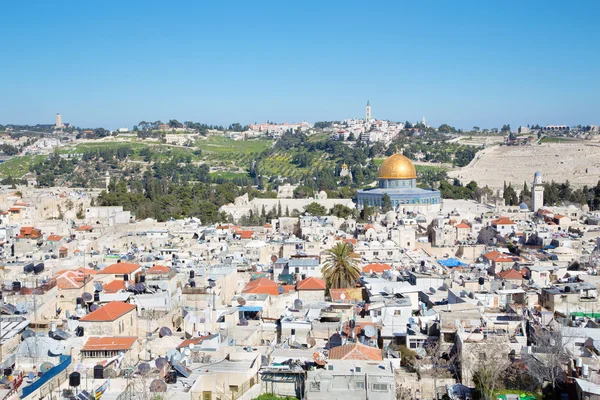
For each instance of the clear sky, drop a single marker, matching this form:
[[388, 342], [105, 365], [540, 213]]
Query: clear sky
[[466, 63]]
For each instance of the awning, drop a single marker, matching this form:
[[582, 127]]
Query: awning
[[250, 308]]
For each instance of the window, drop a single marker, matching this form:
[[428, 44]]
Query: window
[[359, 385], [315, 387], [233, 388], [379, 387], [330, 367], [357, 369], [206, 395], [397, 312]]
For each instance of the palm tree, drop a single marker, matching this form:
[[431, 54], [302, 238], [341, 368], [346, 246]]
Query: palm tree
[[341, 268]]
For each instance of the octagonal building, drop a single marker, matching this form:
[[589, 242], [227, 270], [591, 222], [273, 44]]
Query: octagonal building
[[398, 179]]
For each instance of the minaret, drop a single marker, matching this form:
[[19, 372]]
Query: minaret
[[537, 196], [368, 116], [59, 123]]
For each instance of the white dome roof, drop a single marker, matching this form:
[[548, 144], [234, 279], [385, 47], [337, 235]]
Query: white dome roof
[[390, 216], [389, 243]]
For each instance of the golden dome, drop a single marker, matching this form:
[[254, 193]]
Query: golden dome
[[397, 167]]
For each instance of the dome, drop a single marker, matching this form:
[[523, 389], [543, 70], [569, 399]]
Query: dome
[[523, 206], [397, 166], [390, 216]]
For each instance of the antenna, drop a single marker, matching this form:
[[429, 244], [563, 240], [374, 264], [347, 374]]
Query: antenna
[[241, 301]]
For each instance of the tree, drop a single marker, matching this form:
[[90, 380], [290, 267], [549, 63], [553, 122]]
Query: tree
[[491, 363], [386, 203], [438, 364], [315, 208], [341, 268], [341, 211], [549, 356]]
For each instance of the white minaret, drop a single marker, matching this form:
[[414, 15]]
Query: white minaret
[[368, 116], [59, 123], [537, 196]]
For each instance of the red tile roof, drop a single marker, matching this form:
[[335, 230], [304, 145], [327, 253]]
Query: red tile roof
[[262, 286], [29, 232], [119, 269], [194, 341], [358, 328], [72, 280], [109, 313], [510, 274], [54, 238], [159, 269], [311, 284], [114, 286], [503, 221], [244, 234], [85, 228], [355, 351], [377, 268], [109, 343], [463, 225], [498, 257]]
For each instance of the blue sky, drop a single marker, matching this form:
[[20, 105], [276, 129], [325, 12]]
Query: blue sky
[[114, 63]]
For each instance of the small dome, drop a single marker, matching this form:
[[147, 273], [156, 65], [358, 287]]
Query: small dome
[[390, 216], [397, 166], [389, 243], [523, 206]]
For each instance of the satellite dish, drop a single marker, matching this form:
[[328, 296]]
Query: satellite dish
[[98, 287], [45, 367], [93, 307], [186, 352], [87, 297], [319, 358], [27, 333], [343, 296], [274, 258], [160, 362], [144, 368], [164, 331], [280, 289], [298, 304], [335, 340], [158, 386], [192, 346], [370, 331], [241, 301], [311, 341], [212, 283], [140, 287]]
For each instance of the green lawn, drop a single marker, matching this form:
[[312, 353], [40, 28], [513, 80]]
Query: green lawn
[[83, 147], [228, 174], [18, 166], [549, 139], [223, 146]]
